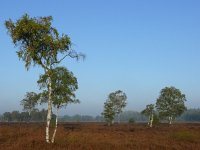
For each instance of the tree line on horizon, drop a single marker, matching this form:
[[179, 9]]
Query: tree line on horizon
[[190, 115]]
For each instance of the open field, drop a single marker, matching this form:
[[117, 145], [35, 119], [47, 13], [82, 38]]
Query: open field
[[97, 136]]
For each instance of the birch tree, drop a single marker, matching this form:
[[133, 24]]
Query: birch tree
[[29, 102], [118, 98], [114, 106], [149, 112], [40, 44], [64, 84], [170, 103]]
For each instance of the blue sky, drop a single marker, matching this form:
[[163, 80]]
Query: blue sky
[[138, 47]]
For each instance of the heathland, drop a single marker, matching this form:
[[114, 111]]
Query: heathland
[[98, 136]]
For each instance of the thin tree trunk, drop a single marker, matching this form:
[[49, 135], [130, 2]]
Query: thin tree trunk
[[49, 111], [54, 133], [170, 120], [151, 120]]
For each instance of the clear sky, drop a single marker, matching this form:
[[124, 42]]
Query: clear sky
[[137, 46]]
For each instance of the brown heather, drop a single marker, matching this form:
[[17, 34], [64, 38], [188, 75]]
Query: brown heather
[[97, 136]]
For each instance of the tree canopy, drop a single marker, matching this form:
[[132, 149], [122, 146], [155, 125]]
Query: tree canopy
[[170, 103], [64, 84], [114, 105], [30, 101], [118, 98], [148, 110], [108, 112], [39, 43]]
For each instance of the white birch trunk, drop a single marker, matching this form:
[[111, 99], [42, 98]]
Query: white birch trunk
[[170, 120], [54, 133], [151, 120], [49, 111]]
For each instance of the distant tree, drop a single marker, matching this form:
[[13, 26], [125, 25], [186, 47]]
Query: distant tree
[[15, 115], [114, 106], [118, 100], [7, 116], [170, 103], [64, 84], [156, 119], [137, 116], [24, 116], [149, 112], [108, 112], [40, 44], [30, 101], [191, 115]]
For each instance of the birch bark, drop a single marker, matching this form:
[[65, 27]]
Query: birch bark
[[151, 120], [54, 133], [49, 111], [170, 120]]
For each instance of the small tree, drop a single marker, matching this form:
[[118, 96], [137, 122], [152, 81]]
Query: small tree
[[7, 116], [114, 105], [118, 99], [29, 102], [170, 103], [108, 112], [64, 84], [149, 112]]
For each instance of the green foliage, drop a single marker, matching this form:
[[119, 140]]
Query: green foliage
[[148, 110], [115, 103], [170, 103], [30, 101], [118, 99], [39, 43], [156, 119], [64, 84], [53, 121], [108, 112]]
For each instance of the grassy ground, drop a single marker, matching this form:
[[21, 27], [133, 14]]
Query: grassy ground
[[97, 136]]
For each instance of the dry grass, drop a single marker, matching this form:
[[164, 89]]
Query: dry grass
[[97, 136]]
